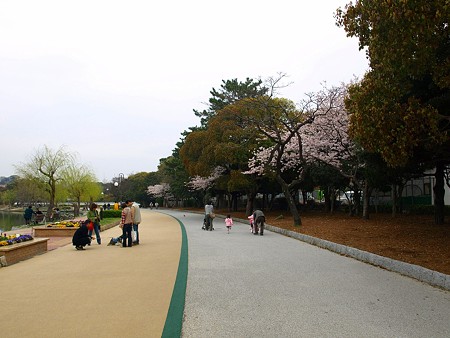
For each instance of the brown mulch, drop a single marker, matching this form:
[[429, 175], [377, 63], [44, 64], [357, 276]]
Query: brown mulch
[[409, 238]]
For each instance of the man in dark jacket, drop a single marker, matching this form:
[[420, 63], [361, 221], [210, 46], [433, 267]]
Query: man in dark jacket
[[258, 222], [81, 237], [28, 214]]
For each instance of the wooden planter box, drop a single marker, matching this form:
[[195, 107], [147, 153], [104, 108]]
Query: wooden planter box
[[43, 231], [12, 254]]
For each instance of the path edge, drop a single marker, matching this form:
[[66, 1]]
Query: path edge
[[174, 319]]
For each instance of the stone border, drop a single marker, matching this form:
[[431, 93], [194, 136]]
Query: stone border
[[422, 274], [15, 253]]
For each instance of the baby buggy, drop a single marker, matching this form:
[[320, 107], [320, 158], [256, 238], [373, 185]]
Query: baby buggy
[[206, 224]]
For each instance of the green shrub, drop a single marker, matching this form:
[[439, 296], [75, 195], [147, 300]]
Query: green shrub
[[112, 213]]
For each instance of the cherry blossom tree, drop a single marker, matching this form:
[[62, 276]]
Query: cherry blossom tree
[[160, 190], [286, 129], [327, 140], [203, 183]]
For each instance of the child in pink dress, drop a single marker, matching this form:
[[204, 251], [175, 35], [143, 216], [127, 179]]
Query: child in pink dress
[[228, 223], [250, 219]]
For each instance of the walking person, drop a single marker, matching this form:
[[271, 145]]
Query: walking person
[[94, 217], [136, 214], [126, 223], [209, 216], [228, 223], [258, 222], [250, 219]]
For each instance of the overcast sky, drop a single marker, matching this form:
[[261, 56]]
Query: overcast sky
[[116, 82]]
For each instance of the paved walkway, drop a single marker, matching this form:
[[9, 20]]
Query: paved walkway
[[238, 285], [104, 291], [241, 285]]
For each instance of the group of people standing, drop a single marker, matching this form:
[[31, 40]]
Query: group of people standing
[[129, 223], [257, 220], [131, 217]]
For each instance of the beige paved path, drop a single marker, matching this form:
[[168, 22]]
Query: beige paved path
[[104, 291]]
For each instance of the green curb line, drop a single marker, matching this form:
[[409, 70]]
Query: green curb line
[[174, 319]]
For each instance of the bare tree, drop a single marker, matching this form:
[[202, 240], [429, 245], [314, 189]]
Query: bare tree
[[47, 166]]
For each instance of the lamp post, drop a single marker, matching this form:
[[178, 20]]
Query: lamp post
[[118, 184]]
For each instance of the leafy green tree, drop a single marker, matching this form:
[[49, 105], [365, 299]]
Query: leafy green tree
[[81, 184], [228, 143], [230, 91], [93, 191], [7, 197], [173, 172], [401, 109], [137, 185]]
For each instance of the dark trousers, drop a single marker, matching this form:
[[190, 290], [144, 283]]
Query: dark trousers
[[209, 222], [259, 225], [126, 233]]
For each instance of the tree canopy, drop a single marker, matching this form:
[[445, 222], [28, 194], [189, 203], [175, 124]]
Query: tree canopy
[[230, 91], [401, 109]]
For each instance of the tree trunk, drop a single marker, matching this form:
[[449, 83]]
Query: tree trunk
[[394, 200], [52, 196], [290, 201], [366, 199], [229, 201], [250, 202], [76, 207], [439, 193], [328, 201], [234, 202], [357, 200], [332, 199], [271, 200]]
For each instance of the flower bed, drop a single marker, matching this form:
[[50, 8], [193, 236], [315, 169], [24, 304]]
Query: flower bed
[[64, 224], [21, 247], [14, 239], [57, 229]]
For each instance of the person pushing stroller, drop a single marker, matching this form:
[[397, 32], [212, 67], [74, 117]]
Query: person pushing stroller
[[209, 216]]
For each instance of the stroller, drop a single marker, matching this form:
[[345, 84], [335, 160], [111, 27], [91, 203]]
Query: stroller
[[206, 225]]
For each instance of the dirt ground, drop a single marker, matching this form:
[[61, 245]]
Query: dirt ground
[[408, 238]]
